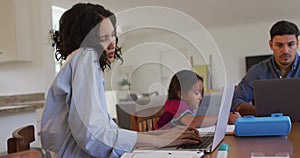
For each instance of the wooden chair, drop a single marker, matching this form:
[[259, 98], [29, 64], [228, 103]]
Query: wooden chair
[[21, 139], [146, 119], [23, 154]]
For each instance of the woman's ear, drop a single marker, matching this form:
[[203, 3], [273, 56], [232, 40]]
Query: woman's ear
[[179, 94]]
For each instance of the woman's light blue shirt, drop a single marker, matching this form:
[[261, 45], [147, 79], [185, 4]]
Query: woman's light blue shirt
[[75, 122]]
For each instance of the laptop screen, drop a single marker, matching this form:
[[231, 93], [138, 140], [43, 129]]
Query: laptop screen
[[210, 104], [278, 96]]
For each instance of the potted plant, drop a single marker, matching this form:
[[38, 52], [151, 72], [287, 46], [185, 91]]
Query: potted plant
[[125, 84]]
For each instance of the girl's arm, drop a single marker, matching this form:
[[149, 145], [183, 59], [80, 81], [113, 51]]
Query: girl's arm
[[232, 117], [188, 119], [204, 121]]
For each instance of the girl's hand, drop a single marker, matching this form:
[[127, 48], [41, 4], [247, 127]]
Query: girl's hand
[[233, 117]]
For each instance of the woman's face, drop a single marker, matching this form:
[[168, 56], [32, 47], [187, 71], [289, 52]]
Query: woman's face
[[193, 97], [108, 38]]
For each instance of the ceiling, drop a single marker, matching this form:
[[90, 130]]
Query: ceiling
[[213, 13]]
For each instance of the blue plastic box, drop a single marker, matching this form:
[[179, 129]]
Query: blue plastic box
[[276, 125]]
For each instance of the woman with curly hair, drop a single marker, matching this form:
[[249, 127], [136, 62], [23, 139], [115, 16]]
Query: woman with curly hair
[[75, 121]]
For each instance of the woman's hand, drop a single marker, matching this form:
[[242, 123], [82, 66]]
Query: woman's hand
[[171, 137], [178, 136]]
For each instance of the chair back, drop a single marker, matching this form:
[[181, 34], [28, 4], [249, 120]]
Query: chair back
[[23, 154], [21, 139], [146, 119]]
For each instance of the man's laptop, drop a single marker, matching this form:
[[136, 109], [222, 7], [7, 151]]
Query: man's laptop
[[277, 96], [212, 139]]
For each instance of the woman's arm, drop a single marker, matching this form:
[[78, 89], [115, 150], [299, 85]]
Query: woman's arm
[[89, 121]]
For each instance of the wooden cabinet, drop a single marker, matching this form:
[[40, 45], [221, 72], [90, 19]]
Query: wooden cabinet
[[15, 32], [7, 31]]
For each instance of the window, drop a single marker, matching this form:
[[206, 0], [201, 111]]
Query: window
[[56, 14]]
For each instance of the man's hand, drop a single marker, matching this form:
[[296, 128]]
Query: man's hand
[[246, 109]]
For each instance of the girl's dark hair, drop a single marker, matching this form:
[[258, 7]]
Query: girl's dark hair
[[182, 81], [78, 27]]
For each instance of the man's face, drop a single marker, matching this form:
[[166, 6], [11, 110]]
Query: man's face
[[284, 49]]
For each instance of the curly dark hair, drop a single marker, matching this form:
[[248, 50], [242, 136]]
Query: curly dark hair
[[182, 81], [78, 27]]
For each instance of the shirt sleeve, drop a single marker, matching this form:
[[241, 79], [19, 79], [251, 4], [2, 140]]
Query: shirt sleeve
[[172, 106], [165, 118], [178, 120], [244, 91], [91, 126]]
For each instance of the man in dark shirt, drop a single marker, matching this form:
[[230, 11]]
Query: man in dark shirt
[[283, 64]]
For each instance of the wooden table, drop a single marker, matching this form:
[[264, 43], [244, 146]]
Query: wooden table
[[243, 147]]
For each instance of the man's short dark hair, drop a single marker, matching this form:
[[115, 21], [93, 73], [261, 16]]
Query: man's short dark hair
[[284, 28]]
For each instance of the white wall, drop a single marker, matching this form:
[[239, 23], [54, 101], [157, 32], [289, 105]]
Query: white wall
[[28, 77], [164, 42], [34, 76], [237, 42], [234, 44]]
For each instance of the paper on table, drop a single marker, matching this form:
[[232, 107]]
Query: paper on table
[[277, 155], [229, 129]]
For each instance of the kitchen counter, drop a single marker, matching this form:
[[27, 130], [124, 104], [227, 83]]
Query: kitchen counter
[[24, 106], [21, 103]]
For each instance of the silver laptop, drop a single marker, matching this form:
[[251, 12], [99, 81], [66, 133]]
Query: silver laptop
[[210, 104], [214, 137], [277, 96]]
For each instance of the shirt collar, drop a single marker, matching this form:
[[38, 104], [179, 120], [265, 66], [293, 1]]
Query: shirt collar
[[294, 66], [296, 61]]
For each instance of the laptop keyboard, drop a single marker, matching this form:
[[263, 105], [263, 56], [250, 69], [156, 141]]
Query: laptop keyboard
[[206, 141]]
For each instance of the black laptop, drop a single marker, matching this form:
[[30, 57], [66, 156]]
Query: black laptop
[[278, 96]]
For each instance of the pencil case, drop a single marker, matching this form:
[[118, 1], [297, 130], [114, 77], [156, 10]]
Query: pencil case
[[275, 125]]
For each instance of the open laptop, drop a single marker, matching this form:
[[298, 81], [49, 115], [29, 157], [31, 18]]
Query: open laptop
[[210, 104], [215, 137], [219, 131], [278, 96]]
